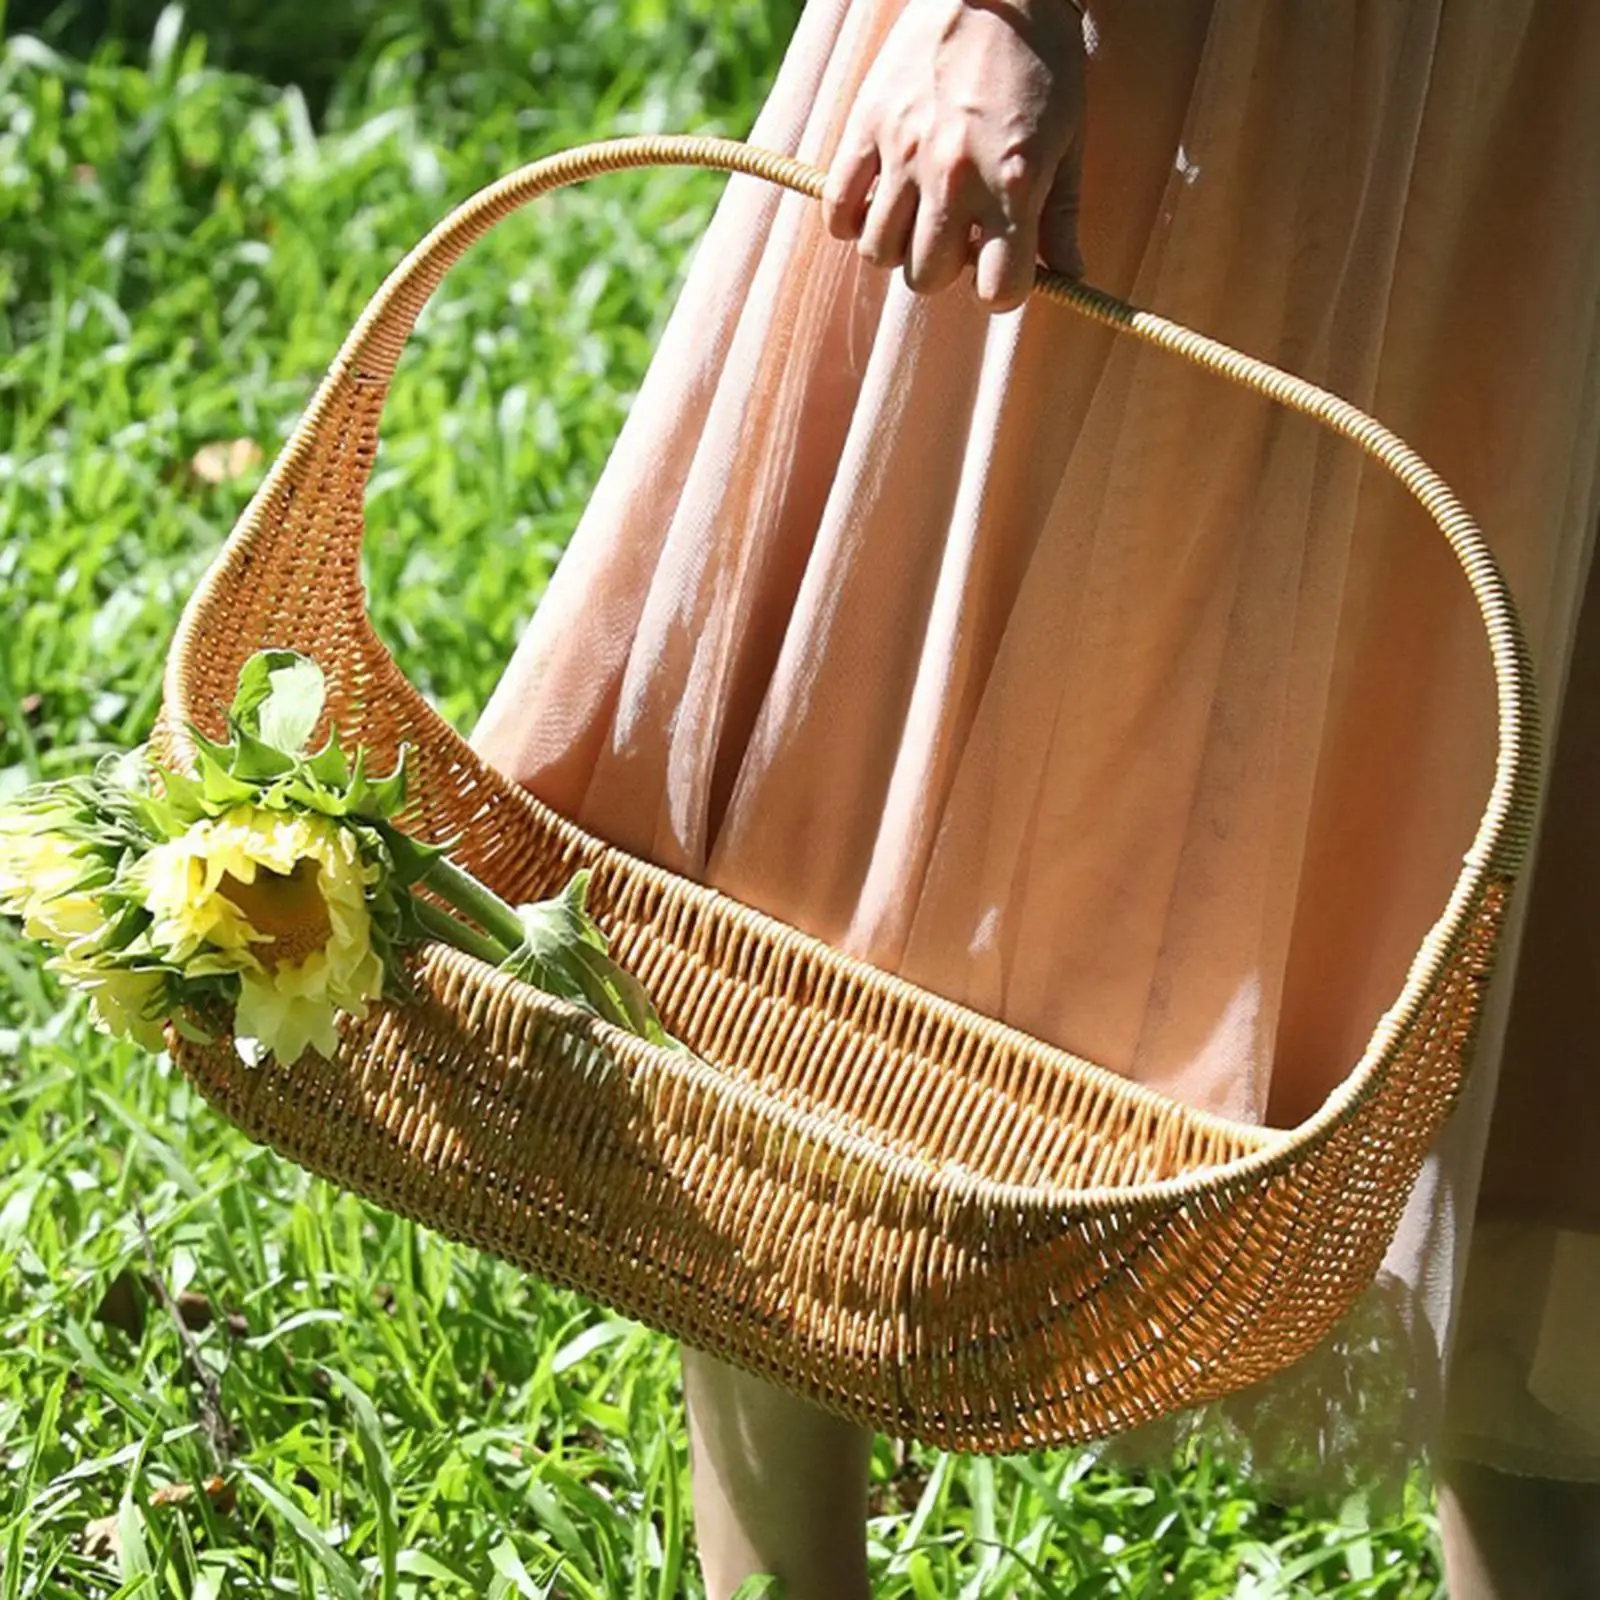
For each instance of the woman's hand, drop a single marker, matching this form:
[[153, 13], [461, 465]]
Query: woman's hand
[[969, 120]]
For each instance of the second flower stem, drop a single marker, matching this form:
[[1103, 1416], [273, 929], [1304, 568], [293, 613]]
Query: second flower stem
[[462, 935], [478, 901]]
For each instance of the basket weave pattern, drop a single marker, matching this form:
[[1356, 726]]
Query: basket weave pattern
[[919, 1217]]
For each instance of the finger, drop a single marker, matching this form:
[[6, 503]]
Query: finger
[[1005, 264], [849, 184], [940, 241], [890, 217], [1058, 221]]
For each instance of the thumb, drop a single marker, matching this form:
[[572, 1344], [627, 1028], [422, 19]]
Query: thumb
[[1058, 221]]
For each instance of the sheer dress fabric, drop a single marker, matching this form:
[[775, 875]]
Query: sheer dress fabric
[[1071, 684]]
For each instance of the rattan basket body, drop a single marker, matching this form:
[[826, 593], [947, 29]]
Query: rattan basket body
[[921, 1218]]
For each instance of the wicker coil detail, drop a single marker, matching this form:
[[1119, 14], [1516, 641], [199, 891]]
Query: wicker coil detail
[[919, 1217]]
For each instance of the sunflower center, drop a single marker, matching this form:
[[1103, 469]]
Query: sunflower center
[[288, 906]]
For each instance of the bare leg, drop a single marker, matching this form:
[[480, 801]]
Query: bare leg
[[1513, 1538], [779, 1486]]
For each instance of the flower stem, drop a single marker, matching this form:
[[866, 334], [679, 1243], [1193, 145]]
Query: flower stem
[[477, 901], [462, 935]]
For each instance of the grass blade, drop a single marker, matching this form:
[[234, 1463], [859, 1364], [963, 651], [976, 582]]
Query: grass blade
[[339, 1571], [380, 1478]]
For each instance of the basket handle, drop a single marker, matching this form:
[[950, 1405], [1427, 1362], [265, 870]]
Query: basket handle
[[369, 355]]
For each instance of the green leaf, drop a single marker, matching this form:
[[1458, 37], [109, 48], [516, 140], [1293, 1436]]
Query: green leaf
[[328, 766], [222, 754], [255, 684], [279, 699], [179, 802], [294, 707], [220, 789], [553, 927], [125, 769], [159, 817], [385, 797], [296, 791], [565, 953], [212, 759], [356, 795], [126, 926], [575, 898], [627, 994], [258, 760], [190, 1030], [411, 857]]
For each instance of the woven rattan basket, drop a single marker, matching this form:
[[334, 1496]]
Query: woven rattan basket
[[921, 1218]]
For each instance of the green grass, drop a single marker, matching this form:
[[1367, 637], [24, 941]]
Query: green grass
[[391, 1415]]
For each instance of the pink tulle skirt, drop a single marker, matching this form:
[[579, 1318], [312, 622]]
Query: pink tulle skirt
[[1077, 687]]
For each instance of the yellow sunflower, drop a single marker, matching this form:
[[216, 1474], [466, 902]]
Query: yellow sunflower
[[39, 869], [279, 898], [125, 1003]]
